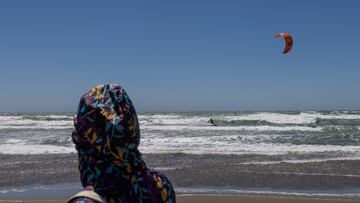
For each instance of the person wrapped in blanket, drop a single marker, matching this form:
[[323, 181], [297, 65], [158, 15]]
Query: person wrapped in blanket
[[107, 136]]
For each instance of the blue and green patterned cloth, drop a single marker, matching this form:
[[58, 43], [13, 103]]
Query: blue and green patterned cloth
[[107, 136]]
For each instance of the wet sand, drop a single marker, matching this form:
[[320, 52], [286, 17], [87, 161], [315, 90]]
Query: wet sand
[[199, 171], [221, 199], [232, 171]]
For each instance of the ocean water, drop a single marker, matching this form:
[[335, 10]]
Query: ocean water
[[297, 152], [325, 135]]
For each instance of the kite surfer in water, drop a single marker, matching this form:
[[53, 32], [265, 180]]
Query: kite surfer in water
[[212, 122]]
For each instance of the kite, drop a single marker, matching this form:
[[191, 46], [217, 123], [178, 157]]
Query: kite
[[288, 40]]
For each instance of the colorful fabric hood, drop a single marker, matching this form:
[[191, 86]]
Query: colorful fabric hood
[[107, 136]]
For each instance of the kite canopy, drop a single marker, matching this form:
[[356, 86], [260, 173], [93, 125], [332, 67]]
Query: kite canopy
[[288, 40]]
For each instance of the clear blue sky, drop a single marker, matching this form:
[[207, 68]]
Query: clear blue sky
[[181, 55]]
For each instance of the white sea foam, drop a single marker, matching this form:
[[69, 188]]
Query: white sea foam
[[195, 145], [13, 141], [57, 116], [28, 122], [231, 128], [169, 119], [12, 117], [201, 121], [272, 117], [22, 122], [158, 116], [191, 133], [232, 145], [279, 118], [12, 190], [35, 127], [34, 149], [194, 121]]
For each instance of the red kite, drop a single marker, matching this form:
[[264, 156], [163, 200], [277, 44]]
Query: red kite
[[288, 40]]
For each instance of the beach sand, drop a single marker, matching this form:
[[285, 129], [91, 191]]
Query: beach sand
[[208, 198], [231, 171]]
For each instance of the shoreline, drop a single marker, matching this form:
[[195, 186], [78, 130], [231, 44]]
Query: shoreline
[[61, 190], [217, 198]]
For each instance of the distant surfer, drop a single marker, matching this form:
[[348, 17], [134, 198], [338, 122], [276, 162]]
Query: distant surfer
[[212, 122]]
